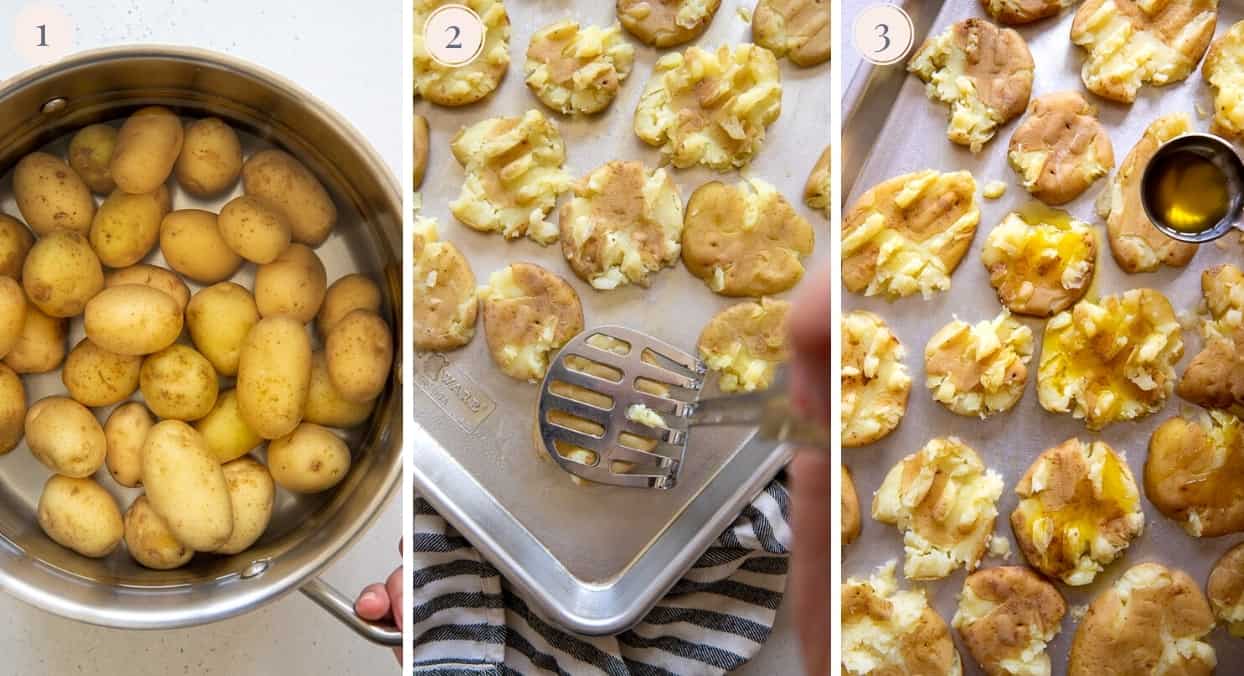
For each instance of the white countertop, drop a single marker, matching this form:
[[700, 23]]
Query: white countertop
[[349, 54]]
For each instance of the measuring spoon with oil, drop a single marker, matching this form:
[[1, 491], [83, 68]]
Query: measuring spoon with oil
[[1193, 188]]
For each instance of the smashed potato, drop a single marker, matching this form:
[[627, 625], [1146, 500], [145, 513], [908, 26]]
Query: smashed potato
[[445, 299], [665, 23], [850, 522], [577, 70], [460, 85], [1006, 616], [529, 314], [795, 29], [1061, 148], [1224, 72], [1226, 590], [816, 191], [1192, 474], [1215, 378], [875, 382], [745, 343], [981, 369], [1017, 12], [890, 631], [1040, 263]]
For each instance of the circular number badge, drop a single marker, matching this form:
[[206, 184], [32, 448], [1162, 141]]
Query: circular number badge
[[454, 35], [42, 32], [883, 34]]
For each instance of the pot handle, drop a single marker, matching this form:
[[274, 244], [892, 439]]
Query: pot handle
[[338, 605]]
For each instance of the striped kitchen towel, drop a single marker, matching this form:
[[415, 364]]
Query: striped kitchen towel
[[466, 621]]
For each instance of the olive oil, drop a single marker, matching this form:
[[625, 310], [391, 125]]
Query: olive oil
[[1191, 194]]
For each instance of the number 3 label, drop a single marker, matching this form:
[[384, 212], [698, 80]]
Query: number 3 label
[[454, 35], [883, 34]]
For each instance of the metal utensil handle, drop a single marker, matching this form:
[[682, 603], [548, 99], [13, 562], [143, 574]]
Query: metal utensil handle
[[769, 410], [338, 605]]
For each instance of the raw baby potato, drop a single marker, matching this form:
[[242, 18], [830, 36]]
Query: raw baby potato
[[126, 227], [285, 183], [15, 243], [226, 434], [12, 409], [292, 285], [147, 147], [219, 318], [132, 319], [41, 345], [251, 493], [153, 276], [149, 540], [179, 383], [90, 155], [125, 432], [51, 196], [349, 293], [326, 406], [359, 350], [274, 373], [210, 159], [79, 514], [65, 436], [96, 377], [254, 230], [191, 243], [12, 313], [310, 460], [186, 486], [62, 273]]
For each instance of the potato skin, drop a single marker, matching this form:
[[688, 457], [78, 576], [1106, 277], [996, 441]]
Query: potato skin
[[15, 243], [154, 276], [133, 319], [274, 375], [225, 433], [51, 196], [79, 514], [90, 154], [359, 350], [62, 273], [65, 436], [126, 227], [12, 409], [41, 346], [186, 486], [178, 383], [191, 243], [125, 431], [12, 313], [210, 159], [149, 540], [147, 147], [96, 377], [352, 292], [254, 230], [219, 317], [293, 285], [285, 183], [325, 405], [251, 492], [309, 460]]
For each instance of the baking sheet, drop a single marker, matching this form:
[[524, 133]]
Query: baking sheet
[[592, 557], [1009, 442]]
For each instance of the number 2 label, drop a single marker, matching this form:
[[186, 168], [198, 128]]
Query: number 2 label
[[453, 42]]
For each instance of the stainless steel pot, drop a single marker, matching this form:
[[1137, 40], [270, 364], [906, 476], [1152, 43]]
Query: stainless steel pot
[[307, 532]]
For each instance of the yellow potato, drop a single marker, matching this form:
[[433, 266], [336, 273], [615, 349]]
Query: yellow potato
[[359, 350], [225, 432], [51, 196], [286, 184], [352, 292], [219, 318], [153, 276], [251, 492], [61, 274], [65, 436], [79, 514], [293, 285], [310, 460], [15, 243], [191, 243], [274, 374], [12, 409], [186, 486], [132, 319], [96, 377], [90, 154], [12, 313], [254, 230], [126, 431], [147, 147], [126, 227], [211, 158], [178, 383], [41, 346], [326, 406], [149, 540]]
